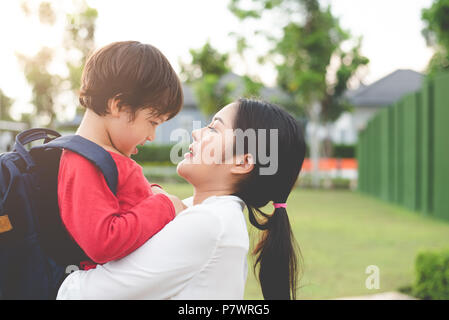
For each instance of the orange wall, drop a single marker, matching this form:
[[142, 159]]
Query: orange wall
[[327, 164]]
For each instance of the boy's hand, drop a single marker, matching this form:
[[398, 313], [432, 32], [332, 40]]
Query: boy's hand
[[177, 203], [157, 190]]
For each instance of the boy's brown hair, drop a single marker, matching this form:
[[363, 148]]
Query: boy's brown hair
[[137, 74]]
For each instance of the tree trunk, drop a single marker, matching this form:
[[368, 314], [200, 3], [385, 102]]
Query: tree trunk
[[314, 143], [328, 149]]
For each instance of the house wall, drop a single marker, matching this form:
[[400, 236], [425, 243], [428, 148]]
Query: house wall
[[345, 129], [6, 141], [183, 120]]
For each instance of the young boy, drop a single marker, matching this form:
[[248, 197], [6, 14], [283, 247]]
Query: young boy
[[128, 89]]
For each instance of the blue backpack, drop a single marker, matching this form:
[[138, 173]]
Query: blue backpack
[[36, 251]]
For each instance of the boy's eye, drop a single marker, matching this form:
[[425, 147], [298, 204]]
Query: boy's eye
[[154, 123]]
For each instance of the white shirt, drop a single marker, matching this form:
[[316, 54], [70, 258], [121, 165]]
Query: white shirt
[[201, 254]]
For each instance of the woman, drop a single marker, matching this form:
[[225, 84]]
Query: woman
[[202, 253]]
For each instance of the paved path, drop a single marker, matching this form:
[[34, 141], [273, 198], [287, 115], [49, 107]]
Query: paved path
[[381, 296]]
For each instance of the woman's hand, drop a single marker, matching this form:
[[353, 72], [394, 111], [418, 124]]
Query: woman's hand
[[177, 203]]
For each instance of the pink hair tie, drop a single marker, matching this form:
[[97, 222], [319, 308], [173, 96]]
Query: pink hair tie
[[280, 205]]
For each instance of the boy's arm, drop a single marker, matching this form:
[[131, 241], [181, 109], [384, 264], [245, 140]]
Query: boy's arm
[[92, 214], [160, 269], [178, 204]]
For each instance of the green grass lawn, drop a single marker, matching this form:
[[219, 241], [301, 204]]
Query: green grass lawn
[[341, 233]]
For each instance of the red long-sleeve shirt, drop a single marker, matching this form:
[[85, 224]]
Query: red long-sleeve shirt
[[105, 226]]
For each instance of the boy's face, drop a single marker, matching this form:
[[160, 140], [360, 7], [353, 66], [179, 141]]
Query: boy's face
[[126, 134]]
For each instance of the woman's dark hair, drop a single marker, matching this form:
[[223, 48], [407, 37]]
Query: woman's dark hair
[[277, 253], [139, 75]]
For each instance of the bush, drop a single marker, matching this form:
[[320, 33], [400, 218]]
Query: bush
[[305, 181], [153, 153], [341, 183], [432, 275], [161, 173], [344, 151], [339, 151]]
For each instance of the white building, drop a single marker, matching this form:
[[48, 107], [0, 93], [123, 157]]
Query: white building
[[190, 111], [368, 100], [8, 131]]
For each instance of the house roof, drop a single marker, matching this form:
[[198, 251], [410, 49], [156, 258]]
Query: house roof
[[387, 90]]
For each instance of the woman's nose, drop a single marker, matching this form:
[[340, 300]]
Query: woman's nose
[[195, 134]]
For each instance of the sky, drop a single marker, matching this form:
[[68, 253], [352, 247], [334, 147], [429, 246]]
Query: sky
[[391, 31]]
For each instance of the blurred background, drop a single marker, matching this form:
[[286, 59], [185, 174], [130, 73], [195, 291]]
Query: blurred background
[[368, 80]]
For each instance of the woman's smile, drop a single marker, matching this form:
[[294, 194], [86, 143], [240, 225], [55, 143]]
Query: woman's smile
[[189, 154]]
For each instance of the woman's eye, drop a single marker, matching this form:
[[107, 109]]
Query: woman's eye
[[154, 123], [213, 129]]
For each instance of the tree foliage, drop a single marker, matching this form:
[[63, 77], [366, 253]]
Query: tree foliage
[[5, 105], [78, 42], [310, 37], [45, 85], [436, 33], [80, 37], [203, 73], [205, 60], [206, 74]]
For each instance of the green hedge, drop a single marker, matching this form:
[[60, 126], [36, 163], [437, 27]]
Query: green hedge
[[161, 152], [344, 151], [403, 153], [432, 275], [156, 173], [340, 151], [153, 153]]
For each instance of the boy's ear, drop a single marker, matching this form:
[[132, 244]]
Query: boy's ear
[[243, 164], [114, 105]]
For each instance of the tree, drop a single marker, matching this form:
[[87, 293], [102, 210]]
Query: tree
[[80, 40], [78, 43], [5, 105], [436, 33], [45, 85], [204, 73], [310, 38], [304, 50]]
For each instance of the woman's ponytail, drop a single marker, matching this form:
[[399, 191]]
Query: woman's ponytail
[[276, 255]]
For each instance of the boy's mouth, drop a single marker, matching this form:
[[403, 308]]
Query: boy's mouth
[[137, 150]]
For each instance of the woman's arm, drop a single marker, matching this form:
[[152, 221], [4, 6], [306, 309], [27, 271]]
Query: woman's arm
[[159, 269]]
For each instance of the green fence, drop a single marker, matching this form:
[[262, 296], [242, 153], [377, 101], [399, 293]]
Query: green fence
[[403, 153]]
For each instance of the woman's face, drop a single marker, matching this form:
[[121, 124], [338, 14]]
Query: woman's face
[[210, 159]]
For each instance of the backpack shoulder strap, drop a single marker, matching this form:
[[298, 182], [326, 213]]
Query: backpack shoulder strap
[[92, 152]]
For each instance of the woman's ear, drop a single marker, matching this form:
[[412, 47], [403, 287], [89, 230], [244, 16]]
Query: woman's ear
[[243, 164]]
